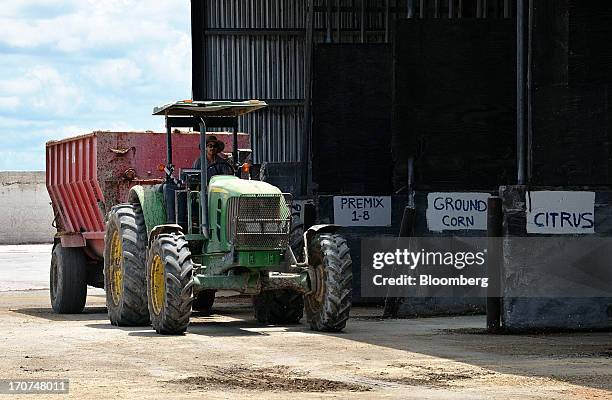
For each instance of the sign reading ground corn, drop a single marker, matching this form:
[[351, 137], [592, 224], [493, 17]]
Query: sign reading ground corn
[[457, 211], [362, 210], [560, 213]]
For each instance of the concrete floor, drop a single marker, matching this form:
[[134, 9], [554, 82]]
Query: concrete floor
[[229, 355], [24, 267]]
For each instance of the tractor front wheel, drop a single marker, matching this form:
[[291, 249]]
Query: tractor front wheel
[[124, 266], [329, 303], [169, 284], [281, 306]]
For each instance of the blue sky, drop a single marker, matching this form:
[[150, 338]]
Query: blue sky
[[74, 66]]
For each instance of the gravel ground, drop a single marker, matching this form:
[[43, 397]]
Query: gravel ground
[[229, 355]]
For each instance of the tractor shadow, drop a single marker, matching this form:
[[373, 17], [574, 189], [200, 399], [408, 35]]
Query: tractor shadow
[[244, 327], [88, 314]]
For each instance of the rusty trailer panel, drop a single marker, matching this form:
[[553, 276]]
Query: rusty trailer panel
[[87, 175]]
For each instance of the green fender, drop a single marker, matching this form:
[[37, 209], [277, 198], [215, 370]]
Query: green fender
[[152, 203]]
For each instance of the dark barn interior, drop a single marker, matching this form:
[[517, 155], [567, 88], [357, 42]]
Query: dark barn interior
[[354, 84], [454, 106], [474, 94], [571, 100]]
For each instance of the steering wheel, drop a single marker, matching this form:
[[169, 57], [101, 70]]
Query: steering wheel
[[220, 168]]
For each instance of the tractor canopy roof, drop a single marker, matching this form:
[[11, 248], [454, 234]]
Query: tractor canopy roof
[[210, 108]]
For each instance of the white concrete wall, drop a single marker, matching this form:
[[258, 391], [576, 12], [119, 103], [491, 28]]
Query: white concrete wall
[[25, 213]]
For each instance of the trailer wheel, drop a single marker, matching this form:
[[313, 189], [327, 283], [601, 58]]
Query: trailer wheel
[[124, 266], [278, 306], [204, 301], [328, 304], [169, 284], [68, 279]]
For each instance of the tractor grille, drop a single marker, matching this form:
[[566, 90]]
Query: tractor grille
[[258, 222]]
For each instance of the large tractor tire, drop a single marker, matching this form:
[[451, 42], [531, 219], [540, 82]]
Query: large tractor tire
[[329, 304], [68, 280], [278, 307], [204, 301], [124, 266], [169, 284]]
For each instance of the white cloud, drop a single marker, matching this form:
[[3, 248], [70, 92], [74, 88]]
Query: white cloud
[[10, 102], [75, 66], [95, 24], [43, 89], [176, 65], [115, 72]]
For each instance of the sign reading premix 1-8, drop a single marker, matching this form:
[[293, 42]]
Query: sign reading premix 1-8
[[362, 210], [457, 211]]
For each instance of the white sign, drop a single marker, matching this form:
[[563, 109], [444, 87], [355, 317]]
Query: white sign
[[560, 213], [362, 210], [457, 211]]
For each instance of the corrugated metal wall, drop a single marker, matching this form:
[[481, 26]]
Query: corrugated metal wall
[[257, 49]]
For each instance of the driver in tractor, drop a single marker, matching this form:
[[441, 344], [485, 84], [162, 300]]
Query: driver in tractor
[[217, 165]]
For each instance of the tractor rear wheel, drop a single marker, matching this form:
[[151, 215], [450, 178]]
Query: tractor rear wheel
[[68, 279], [328, 305], [169, 284], [124, 266], [204, 301], [279, 306]]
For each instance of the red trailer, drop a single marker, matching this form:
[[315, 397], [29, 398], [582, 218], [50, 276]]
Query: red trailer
[[86, 176]]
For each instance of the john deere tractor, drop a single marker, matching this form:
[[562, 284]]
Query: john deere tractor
[[172, 246]]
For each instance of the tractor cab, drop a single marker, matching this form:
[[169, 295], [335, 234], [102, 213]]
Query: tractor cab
[[188, 186], [248, 220]]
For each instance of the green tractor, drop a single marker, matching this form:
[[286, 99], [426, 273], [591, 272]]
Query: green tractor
[[172, 246]]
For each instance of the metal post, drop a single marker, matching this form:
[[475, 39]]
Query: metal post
[[328, 23], [520, 91], [168, 148], [407, 228], [387, 20], [307, 96], [451, 9], [338, 22], [494, 262], [198, 62], [410, 186], [363, 6], [529, 86], [235, 146], [203, 179], [410, 13], [392, 304]]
